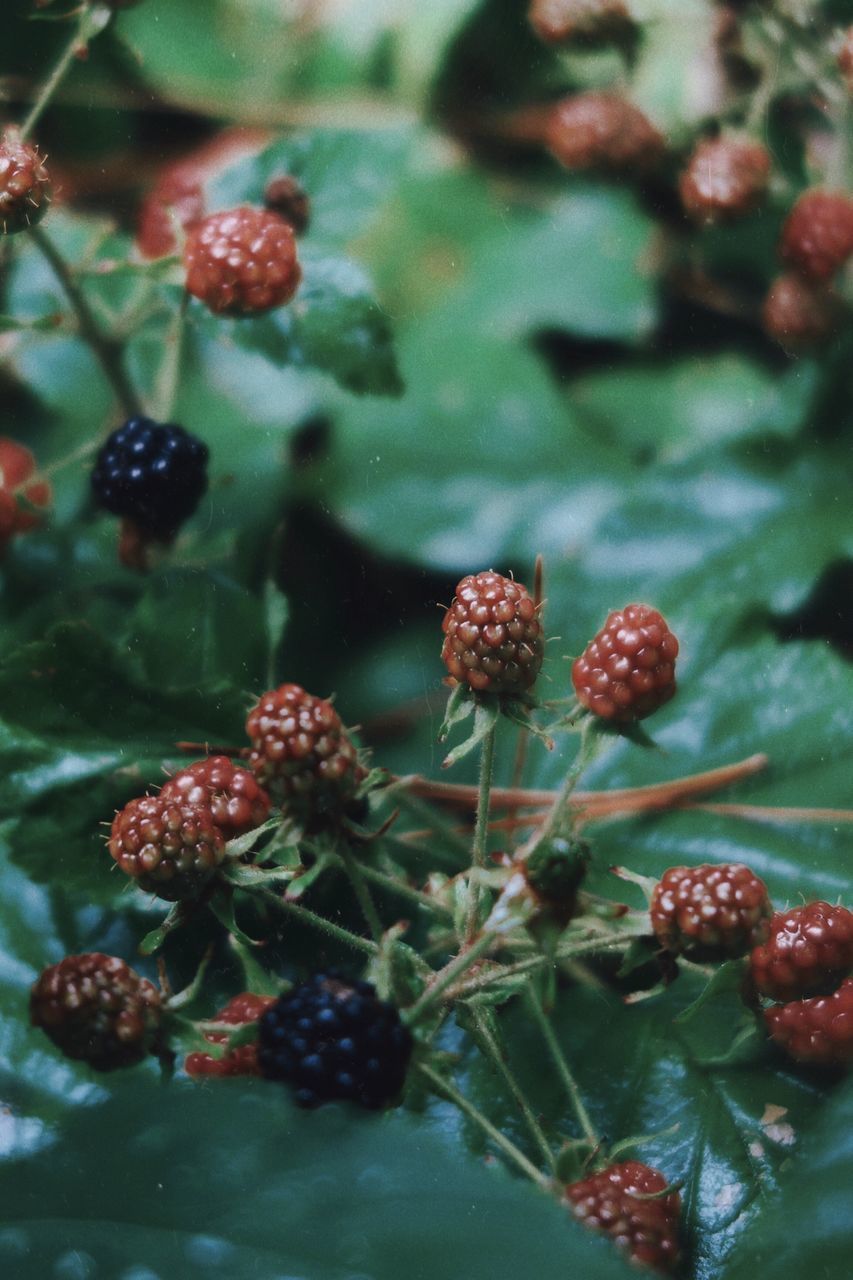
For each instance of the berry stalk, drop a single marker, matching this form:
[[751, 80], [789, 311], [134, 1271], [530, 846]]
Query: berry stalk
[[481, 831], [562, 1067], [109, 354], [445, 1089], [90, 23], [497, 1056]]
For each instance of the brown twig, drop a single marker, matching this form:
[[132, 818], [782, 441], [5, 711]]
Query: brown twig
[[659, 795]]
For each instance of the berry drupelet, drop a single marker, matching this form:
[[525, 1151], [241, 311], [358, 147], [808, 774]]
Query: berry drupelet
[[236, 803], [627, 670], [25, 188], [492, 635], [725, 179], [710, 912], [242, 262], [603, 131], [96, 1009], [612, 1201], [335, 1041], [242, 1061], [808, 951], [153, 474], [302, 752], [168, 847]]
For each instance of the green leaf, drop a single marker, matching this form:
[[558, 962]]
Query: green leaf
[[334, 324], [805, 1226], [391, 1182]]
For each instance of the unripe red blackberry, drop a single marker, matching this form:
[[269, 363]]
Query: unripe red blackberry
[[627, 670], [798, 314], [169, 848], [845, 59], [492, 635], [710, 912], [559, 21], [817, 238], [819, 1030], [333, 1040], [603, 131], [725, 179], [290, 201], [24, 184], [611, 1201], [177, 198], [22, 492], [242, 262], [236, 803], [808, 951], [96, 1009], [242, 1061], [301, 751]]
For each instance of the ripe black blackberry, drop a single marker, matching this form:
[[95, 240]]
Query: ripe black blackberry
[[153, 474], [331, 1040]]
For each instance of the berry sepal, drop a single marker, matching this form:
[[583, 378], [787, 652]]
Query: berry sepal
[[486, 709]]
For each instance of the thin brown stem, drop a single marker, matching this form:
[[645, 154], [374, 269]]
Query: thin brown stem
[[109, 354]]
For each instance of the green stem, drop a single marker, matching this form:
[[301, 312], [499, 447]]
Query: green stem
[[444, 1088], [590, 947], [320, 923], [166, 391], [481, 832], [589, 745], [385, 881], [562, 1066], [448, 975], [109, 354], [362, 893], [84, 29], [496, 1055]]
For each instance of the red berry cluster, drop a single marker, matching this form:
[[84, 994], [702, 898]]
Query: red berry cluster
[[710, 912], [628, 1202], [801, 309], [627, 670], [96, 1009], [565, 21], [23, 493], [301, 750], [236, 803], [802, 958], [25, 187], [242, 262], [492, 635], [604, 132], [805, 964], [242, 1061], [725, 179]]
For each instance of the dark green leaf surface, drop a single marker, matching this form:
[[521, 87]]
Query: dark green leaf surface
[[116, 1187]]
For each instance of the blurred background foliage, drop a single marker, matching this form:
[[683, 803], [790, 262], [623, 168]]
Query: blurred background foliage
[[492, 359]]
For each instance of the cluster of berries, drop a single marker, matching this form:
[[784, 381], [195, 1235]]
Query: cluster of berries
[[327, 1039], [724, 178], [801, 959], [172, 843], [239, 262], [493, 643]]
